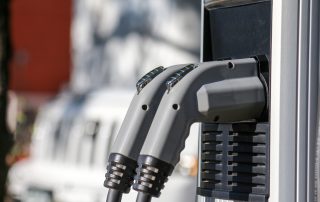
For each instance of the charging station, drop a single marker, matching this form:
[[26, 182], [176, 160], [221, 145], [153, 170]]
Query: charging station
[[255, 92], [278, 161]]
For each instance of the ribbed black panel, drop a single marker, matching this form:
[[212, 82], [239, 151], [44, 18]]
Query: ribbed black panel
[[235, 161]]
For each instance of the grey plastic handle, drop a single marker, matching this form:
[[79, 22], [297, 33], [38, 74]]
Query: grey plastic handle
[[220, 91], [140, 114]]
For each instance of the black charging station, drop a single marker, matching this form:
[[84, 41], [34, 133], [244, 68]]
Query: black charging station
[[234, 158]]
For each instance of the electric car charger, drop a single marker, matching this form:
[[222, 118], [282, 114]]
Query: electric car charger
[[219, 91]]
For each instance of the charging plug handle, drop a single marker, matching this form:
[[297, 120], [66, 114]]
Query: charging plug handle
[[124, 153]]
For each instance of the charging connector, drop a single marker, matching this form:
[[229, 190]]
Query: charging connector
[[219, 91], [122, 160]]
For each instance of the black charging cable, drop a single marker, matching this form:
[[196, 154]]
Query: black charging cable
[[114, 195], [143, 197]]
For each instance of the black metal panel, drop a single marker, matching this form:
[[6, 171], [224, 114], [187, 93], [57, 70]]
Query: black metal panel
[[235, 161], [237, 32]]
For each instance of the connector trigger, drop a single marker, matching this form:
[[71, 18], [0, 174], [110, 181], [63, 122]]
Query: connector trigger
[[176, 77], [148, 78]]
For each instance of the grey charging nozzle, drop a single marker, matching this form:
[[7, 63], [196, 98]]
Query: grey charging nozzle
[[122, 160], [220, 91]]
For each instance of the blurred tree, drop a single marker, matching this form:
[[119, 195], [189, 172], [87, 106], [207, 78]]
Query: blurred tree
[[6, 138]]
